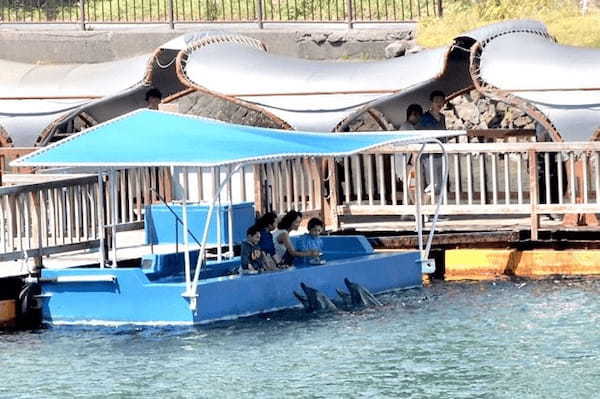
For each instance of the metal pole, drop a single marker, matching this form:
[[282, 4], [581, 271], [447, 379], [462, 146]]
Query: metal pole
[[230, 216], [349, 12], [192, 294], [82, 14], [101, 225], [171, 11], [418, 217], [113, 208], [219, 218], [440, 9], [259, 10], [186, 240]]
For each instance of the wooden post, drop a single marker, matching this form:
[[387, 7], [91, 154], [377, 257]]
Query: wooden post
[[260, 202], [533, 194], [579, 219], [330, 214], [168, 185], [36, 226]]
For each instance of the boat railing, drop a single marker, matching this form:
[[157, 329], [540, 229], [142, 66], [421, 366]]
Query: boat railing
[[63, 213]]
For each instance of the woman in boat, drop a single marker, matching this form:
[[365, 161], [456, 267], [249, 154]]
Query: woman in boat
[[284, 249], [266, 224]]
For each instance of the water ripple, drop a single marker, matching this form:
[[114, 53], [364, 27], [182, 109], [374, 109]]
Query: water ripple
[[506, 339]]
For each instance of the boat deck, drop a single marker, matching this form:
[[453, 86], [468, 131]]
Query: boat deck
[[453, 229]]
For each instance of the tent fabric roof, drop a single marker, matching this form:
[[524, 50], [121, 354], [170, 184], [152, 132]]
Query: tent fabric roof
[[153, 138], [566, 89], [337, 88]]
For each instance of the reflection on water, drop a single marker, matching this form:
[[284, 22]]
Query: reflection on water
[[524, 339]]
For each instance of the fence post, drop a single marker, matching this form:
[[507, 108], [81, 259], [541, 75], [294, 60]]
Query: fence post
[[259, 10], [260, 203], [171, 11], [82, 14], [533, 193], [349, 11], [440, 9], [36, 227]]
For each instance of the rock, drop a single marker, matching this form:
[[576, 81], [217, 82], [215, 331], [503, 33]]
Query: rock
[[367, 36], [336, 37], [402, 35], [395, 49], [468, 112], [521, 121], [414, 49], [318, 38]]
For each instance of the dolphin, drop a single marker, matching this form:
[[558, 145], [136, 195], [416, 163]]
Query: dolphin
[[315, 300], [358, 296]]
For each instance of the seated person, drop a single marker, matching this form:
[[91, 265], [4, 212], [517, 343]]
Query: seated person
[[153, 98], [311, 241], [284, 249], [267, 223], [250, 252]]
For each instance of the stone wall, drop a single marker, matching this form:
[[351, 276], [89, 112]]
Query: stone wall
[[201, 104], [471, 111]]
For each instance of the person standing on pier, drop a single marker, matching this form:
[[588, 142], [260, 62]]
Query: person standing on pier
[[433, 119]]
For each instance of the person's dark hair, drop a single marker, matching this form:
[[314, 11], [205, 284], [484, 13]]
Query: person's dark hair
[[286, 221], [252, 230], [266, 219], [436, 93], [314, 222], [153, 92], [413, 109]]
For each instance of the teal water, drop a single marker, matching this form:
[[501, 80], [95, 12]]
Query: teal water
[[523, 339]]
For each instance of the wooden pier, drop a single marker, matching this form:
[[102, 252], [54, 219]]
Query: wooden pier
[[495, 197]]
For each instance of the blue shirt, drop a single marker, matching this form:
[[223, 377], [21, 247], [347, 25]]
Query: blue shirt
[[309, 243], [428, 122], [266, 242]]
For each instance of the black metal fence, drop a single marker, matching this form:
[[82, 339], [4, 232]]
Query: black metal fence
[[170, 12]]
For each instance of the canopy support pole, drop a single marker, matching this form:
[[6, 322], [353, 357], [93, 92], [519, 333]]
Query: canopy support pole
[[419, 190], [113, 214], [230, 215], [192, 293], [428, 265], [186, 239], [219, 215], [101, 221]]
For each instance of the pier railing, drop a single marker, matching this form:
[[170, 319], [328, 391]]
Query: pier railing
[[65, 213], [500, 178], [524, 178], [171, 12]]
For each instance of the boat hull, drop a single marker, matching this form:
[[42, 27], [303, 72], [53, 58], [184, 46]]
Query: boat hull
[[128, 296]]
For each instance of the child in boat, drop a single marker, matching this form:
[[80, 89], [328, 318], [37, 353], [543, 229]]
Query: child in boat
[[250, 252], [284, 249], [311, 241], [253, 259], [267, 223]]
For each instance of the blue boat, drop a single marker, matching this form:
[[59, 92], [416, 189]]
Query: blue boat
[[187, 288]]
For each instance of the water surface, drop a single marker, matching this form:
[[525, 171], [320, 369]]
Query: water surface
[[507, 339]]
